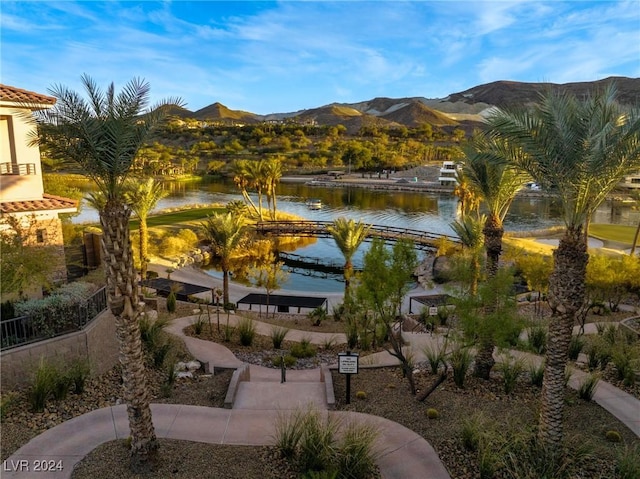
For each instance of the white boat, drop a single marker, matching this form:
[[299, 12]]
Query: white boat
[[314, 204]]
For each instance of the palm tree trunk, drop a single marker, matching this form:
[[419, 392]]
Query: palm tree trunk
[[225, 285], [122, 289], [566, 296], [348, 271], [144, 248], [493, 232], [635, 240]]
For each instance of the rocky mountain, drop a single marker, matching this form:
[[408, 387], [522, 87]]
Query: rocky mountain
[[463, 108]]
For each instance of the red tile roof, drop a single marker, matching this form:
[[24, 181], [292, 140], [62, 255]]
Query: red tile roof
[[18, 95], [48, 202]]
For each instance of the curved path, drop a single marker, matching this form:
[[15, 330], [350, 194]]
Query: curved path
[[402, 452]]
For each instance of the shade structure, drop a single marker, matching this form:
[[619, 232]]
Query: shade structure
[[182, 290], [283, 302]]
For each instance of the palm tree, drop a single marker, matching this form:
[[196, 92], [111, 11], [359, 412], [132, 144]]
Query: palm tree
[[584, 148], [242, 180], [103, 134], [142, 198], [257, 180], [467, 196], [495, 182], [469, 230], [348, 236], [272, 170], [493, 177], [225, 232]]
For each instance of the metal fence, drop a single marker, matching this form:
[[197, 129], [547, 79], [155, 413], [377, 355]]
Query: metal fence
[[23, 330]]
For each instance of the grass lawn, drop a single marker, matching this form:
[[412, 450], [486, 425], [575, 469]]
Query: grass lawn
[[619, 233], [195, 215]]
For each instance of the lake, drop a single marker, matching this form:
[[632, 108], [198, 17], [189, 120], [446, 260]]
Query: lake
[[432, 212]]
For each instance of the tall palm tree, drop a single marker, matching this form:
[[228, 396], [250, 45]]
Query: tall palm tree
[[142, 198], [348, 236], [103, 134], [584, 148], [468, 198], [495, 181], [225, 232], [242, 180], [272, 170]]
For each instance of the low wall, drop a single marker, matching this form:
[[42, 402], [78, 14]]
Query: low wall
[[97, 342]]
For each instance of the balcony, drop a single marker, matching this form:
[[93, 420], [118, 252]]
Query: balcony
[[23, 169]]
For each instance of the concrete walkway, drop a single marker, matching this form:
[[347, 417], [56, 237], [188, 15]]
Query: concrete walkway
[[403, 453]]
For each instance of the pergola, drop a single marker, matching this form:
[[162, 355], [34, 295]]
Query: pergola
[[284, 302], [182, 290], [430, 301]]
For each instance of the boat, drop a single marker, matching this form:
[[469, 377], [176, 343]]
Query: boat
[[314, 204]]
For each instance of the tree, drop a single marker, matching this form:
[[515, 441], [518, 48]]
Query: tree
[[273, 172], [242, 180], [495, 181], [469, 230], [103, 134], [584, 147], [467, 195], [348, 236], [142, 198], [269, 276], [226, 233]]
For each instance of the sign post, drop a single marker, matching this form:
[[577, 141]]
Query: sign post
[[348, 364]]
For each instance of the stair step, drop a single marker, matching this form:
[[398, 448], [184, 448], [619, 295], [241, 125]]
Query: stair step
[[258, 395]]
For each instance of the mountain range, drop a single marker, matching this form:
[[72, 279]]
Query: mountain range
[[463, 109]]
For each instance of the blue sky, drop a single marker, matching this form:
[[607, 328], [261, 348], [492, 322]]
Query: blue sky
[[267, 57]]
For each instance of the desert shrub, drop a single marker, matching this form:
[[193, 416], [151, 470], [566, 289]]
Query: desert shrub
[[529, 458], [289, 430], [443, 315], [227, 333], [511, 369], [472, 430], [436, 356], [536, 374], [7, 402], [568, 372], [537, 339], [623, 358], [246, 330], [628, 462], [317, 446], [151, 331], [352, 332], [277, 336], [575, 347], [355, 453], [460, 359], [189, 237], [318, 315], [198, 325], [329, 342], [172, 302], [588, 387], [303, 349], [172, 246], [42, 386], [432, 413], [78, 373], [166, 388], [289, 361]]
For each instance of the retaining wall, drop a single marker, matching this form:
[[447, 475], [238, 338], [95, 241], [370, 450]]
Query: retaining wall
[[97, 342]]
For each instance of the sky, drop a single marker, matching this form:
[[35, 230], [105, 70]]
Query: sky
[[275, 57]]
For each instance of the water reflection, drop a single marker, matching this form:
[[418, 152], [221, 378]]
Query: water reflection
[[431, 212]]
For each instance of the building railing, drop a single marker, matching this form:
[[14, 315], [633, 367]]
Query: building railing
[[25, 330], [22, 169]]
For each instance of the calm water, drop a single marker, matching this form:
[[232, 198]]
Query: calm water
[[421, 211]]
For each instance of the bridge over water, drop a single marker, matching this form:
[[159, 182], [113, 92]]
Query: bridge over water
[[422, 239]]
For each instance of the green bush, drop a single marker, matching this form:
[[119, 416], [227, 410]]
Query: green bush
[[289, 361], [436, 356], [247, 331], [198, 325], [472, 429], [356, 458], [227, 332], [303, 349], [317, 447], [277, 336], [318, 315]]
